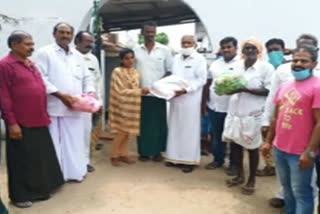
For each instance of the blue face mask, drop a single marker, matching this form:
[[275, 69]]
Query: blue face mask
[[301, 75], [276, 58]]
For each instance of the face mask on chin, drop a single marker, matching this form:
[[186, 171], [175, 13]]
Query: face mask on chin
[[187, 51], [302, 75], [276, 58]]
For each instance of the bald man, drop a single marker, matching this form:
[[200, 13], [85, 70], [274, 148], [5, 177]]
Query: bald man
[[33, 168], [183, 146]]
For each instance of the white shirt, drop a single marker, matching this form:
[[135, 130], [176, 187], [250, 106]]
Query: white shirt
[[152, 66], [192, 69], [258, 77], [94, 69], [280, 76], [63, 72], [219, 103]]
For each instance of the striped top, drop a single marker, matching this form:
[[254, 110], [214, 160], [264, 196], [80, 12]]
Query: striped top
[[125, 101]]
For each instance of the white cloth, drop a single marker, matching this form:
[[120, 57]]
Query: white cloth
[[245, 110], [183, 144], [152, 66], [96, 75], [87, 136], [68, 143], [64, 72], [165, 88], [219, 103], [280, 76]]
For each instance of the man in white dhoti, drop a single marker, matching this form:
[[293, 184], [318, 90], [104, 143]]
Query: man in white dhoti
[[246, 106], [84, 42], [65, 74], [183, 146]]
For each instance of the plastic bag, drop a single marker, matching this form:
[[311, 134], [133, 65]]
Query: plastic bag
[[86, 103], [228, 82]]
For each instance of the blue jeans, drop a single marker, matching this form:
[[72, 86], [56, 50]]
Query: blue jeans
[[218, 146], [296, 182]]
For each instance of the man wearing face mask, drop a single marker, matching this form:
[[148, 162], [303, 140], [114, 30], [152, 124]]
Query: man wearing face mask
[[218, 105], [183, 146], [275, 49], [84, 42], [153, 61], [281, 75], [66, 75], [33, 167], [295, 131]]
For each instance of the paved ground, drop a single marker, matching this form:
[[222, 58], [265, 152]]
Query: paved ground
[[146, 188]]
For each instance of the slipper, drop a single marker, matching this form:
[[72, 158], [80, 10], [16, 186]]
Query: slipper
[[235, 181], [245, 190]]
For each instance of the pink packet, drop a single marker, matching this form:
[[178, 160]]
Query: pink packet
[[86, 103]]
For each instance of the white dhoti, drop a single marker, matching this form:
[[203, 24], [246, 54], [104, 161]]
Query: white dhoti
[[183, 146], [69, 140], [243, 130], [87, 136]]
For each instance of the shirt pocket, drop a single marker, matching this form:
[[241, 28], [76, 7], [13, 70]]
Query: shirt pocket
[[77, 73]]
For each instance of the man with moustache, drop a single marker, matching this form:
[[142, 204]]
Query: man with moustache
[[33, 168], [153, 61], [84, 42], [66, 74], [295, 131]]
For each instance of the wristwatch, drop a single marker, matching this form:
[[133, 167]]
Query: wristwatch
[[311, 153]]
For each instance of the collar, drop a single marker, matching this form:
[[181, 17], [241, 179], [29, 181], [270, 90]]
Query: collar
[[235, 59], [58, 48], [254, 66], [156, 45], [14, 59], [192, 56]]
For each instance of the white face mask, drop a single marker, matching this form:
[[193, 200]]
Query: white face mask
[[187, 51]]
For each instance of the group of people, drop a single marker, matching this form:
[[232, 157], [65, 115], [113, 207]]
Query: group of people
[[48, 144], [279, 106]]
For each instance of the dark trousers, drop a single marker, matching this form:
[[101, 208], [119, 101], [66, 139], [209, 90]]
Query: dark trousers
[[219, 146]]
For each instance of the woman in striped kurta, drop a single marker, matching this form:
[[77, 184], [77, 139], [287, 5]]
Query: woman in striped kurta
[[124, 106]]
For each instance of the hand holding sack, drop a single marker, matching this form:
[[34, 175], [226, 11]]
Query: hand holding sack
[[87, 102], [227, 82]]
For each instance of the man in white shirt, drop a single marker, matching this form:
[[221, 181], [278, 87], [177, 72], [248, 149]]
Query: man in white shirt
[[280, 76], [153, 61], [275, 49], [65, 75], [84, 42], [218, 105], [183, 146]]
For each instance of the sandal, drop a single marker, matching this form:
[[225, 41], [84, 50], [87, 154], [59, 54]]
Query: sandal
[[125, 159], [24, 204], [115, 162], [266, 171], [245, 190], [235, 181]]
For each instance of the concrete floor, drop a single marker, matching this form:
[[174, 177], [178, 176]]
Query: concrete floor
[[146, 188]]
